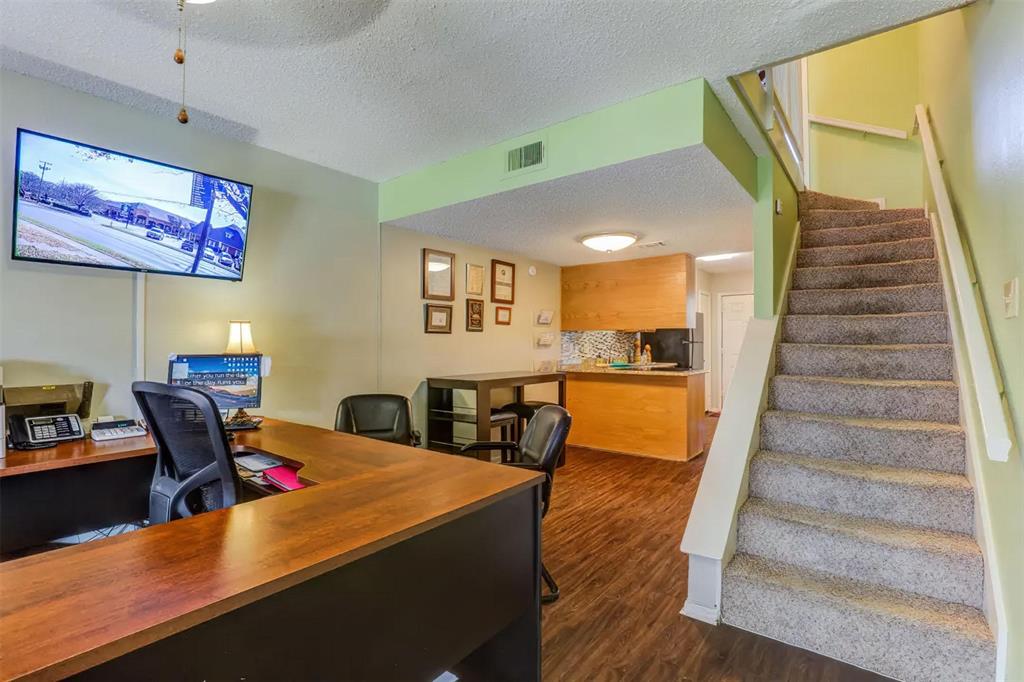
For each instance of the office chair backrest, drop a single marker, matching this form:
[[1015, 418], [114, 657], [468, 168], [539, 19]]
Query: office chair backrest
[[543, 440], [195, 471], [382, 416]]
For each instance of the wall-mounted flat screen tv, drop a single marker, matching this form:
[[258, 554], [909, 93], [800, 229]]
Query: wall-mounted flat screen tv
[[83, 205]]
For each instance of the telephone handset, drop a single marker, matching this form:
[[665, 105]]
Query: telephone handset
[[29, 433]]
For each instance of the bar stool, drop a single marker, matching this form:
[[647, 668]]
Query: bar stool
[[506, 420], [524, 411]]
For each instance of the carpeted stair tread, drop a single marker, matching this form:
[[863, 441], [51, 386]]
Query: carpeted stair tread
[[921, 271], [892, 632], [870, 361], [862, 254], [866, 234], [913, 399], [871, 440], [924, 561], [917, 497], [924, 327], [809, 200], [823, 219], [906, 298]]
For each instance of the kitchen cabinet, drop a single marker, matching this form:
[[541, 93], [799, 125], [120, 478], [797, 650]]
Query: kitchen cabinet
[[631, 295]]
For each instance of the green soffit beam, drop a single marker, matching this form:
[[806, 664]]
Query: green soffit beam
[[672, 118]]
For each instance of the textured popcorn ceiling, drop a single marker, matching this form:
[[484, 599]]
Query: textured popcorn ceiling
[[685, 198], [378, 88]]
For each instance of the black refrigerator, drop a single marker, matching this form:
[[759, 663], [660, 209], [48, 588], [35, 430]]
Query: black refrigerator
[[685, 347]]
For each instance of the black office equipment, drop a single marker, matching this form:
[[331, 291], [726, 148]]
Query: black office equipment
[[30, 433], [195, 471], [49, 400], [538, 450], [381, 416]]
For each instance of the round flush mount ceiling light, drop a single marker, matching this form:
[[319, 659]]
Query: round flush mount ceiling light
[[200, 2], [719, 256], [609, 241]]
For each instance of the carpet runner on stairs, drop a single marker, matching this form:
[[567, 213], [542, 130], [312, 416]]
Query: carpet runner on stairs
[[857, 539]]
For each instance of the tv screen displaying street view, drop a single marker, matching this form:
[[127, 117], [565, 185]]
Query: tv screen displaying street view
[[83, 205]]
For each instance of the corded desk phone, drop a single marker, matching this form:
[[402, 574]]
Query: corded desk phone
[[29, 433]]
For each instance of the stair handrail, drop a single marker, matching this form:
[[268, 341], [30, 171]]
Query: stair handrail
[[997, 431], [868, 128]]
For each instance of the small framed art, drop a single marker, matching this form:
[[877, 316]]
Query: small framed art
[[474, 315], [503, 282], [437, 318], [502, 315]]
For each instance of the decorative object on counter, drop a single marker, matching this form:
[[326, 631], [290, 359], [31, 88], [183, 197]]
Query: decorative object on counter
[[474, 315], [544, 366], [503, 282], [636, 349], [545, 339], [646, 357], [544, 318], [438, 275], [474, 279], [437, 318], [502, 315]]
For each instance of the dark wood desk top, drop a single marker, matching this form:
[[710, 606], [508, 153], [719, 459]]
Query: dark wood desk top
[[65, 611], [73, 453], [495, 379]]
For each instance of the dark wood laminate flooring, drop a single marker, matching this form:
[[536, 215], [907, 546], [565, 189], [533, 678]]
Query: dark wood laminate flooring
[[611, 539]]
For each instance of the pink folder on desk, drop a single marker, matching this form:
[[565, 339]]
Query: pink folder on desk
[[283, 477]]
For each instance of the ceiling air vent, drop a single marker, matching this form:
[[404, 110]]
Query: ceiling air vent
[[523, 157], [650, 245]]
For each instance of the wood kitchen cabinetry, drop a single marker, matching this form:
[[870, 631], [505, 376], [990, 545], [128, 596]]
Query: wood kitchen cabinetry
[[631, 295]]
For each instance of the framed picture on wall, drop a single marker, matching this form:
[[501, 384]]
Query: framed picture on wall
[[503, 282], [474, 315], [438, 275], [474, 279], [437, 318], [503, 315]]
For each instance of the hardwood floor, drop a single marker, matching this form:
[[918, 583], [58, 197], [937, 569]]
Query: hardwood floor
[[611, 540]]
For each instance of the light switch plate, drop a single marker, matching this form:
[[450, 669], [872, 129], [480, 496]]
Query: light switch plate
[[1011, 298]]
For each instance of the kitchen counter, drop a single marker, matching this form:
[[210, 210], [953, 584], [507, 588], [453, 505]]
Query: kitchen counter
[[580, 369], [645, 412]]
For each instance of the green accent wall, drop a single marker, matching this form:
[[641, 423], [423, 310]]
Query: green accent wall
[[972, 81], [872, 81], [672, 118], [773, 235]]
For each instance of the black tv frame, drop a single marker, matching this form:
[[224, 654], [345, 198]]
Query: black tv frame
[[14, 217]]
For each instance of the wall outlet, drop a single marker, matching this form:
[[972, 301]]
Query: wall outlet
[[1011, 298]]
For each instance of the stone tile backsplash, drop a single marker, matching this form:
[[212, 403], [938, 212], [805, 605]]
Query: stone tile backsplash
[[576, 346]]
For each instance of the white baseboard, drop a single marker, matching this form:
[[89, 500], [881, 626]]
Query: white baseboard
[[702, 613]]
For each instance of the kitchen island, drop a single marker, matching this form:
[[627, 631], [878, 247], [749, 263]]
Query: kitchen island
[[645, 412]]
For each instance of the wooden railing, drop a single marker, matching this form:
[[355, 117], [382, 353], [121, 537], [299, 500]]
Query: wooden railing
[[867, 128], [995, 423]]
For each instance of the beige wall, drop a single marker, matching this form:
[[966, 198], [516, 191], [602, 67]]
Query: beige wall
[[310, 283], [717, 284], [409, 355]]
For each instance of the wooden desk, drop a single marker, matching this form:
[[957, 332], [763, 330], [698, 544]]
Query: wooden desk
[[442, 414], [399, 564]]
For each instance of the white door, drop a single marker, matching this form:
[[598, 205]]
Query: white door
[[737, 309], [704, 306]]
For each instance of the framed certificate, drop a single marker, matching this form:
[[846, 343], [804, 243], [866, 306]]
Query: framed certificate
[[502, 315], [437, 318], [503, 282], [474, 279], [438, 275]]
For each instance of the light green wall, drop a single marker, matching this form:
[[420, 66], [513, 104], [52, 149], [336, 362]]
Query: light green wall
[[870, 81], [658, 122], [672, 118], [773, 235], [972, 79]]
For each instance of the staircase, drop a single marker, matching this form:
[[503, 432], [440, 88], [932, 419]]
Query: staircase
[[857, 540]]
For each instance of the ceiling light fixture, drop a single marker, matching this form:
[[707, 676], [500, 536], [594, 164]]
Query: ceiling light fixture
[[609, 241], [200, 2], [720, 256]]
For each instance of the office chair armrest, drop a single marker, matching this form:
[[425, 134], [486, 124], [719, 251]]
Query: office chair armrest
[[529, 466], [503, 445]]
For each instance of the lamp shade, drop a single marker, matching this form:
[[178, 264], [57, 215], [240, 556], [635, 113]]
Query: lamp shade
[[240, 337]]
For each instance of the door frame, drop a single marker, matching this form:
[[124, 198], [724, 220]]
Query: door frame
[[720, 350]]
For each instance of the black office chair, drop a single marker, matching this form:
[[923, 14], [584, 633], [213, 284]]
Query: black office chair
[[538, 450], [381, 416], [195, 471]]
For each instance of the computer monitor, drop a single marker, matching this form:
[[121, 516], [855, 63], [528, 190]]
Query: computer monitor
[[233, 381]]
